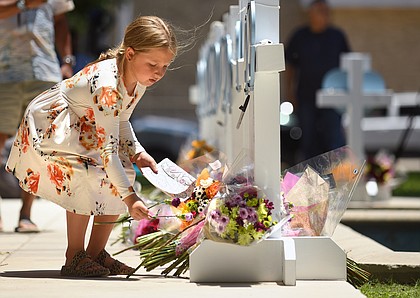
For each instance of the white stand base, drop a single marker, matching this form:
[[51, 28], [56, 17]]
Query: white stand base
[[273, 260]]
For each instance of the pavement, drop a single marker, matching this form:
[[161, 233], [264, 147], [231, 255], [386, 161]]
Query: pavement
[[30, 267], [387, 218]]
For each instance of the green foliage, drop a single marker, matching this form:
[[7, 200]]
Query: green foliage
[[78, 18], [390, 290], [410, 187]]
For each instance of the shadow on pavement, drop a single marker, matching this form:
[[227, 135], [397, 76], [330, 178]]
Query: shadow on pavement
[[55, 274]]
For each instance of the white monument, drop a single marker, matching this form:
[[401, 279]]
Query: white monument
[[247, 116]]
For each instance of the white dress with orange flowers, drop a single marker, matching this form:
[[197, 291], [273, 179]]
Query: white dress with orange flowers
[[75, 142]]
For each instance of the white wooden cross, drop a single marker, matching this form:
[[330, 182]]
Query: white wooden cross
[[354, 100]]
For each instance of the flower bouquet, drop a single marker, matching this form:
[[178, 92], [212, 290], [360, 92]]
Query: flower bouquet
[[241, 214], [317, 192], [381, 176], [380, 167]]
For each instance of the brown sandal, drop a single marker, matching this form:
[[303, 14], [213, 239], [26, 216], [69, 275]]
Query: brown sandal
[[116, 267], [82, 266]]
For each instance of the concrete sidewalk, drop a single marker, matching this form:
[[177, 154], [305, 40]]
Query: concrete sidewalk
[[30, 267]]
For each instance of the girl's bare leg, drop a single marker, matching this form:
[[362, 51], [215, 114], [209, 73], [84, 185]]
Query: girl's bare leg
[[76, 232], [100, 234]]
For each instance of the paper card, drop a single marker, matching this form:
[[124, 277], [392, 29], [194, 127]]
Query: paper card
[[171, 179]]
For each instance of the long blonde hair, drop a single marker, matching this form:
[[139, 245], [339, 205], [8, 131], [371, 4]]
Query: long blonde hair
[[144, 33]]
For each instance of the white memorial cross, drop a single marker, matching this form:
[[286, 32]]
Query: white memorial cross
[[354, 100]]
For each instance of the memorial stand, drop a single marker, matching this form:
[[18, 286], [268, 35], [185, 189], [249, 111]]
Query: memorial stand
[[251, 121]]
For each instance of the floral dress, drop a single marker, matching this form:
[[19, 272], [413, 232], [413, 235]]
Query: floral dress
[[75, 142]]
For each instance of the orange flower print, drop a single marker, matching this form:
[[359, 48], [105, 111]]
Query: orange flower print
[[50, 130], [54, 110], [91, 136], [56, 176], [65, 164], [89, 69], [108, 97], [31, 181], [60, 173], [109, 101], [69, 83], [24, 136], [90, 114], [106, 183], [100, 134], [114, 190]]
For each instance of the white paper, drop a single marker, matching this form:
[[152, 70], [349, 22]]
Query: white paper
[[171, 179]]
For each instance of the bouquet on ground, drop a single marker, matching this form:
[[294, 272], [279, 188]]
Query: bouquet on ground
[[241, 214], [316, 192]]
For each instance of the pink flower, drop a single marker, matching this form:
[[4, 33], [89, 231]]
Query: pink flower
[[145, 227], [190, 239]]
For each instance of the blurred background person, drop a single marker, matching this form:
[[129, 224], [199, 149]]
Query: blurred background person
[[311, 51], [32, 32]]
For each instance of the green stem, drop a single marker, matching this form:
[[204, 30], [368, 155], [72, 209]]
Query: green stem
[[176, 263], [167, 242]]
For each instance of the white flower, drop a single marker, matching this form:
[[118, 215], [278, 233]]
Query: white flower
[[206, 183]]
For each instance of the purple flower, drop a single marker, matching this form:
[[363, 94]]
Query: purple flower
[[240, 221], [215, 214], [189, 216], [237, 199], [175, 202], [242, 204], [252, 215], [269, 205], [220, 228], [259, 226], [243, 213], [223, 220]]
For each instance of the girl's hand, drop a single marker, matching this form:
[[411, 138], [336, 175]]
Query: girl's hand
[[136, 207], [143, 159]]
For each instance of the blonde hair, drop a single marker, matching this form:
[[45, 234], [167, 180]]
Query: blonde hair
[[144, 33]]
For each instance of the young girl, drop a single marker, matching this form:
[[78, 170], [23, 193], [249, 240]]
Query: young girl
[[76, 147]]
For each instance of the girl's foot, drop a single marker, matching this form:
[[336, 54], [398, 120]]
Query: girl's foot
[[82, 265], [115, 267]]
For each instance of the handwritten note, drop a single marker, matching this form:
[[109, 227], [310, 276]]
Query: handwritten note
[[171, 179]]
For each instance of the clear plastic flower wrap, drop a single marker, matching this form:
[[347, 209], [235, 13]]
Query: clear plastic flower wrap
[[318, 191], [240, 214]]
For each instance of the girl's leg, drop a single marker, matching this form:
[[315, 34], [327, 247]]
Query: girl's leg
[[76, 232], [100, 234], [97, 242]]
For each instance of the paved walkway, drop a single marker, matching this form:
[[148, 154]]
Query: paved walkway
[[30, 264]]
